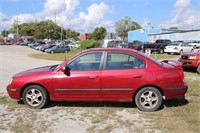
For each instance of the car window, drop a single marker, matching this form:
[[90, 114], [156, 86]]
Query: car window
[[86, 62], [123, 61]]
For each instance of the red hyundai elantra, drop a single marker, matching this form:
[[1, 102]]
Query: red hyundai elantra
[[102, 74]]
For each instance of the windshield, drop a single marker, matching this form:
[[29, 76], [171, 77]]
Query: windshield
[[174, 44]]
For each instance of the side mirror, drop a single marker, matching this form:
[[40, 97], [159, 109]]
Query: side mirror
[[62, 68], [65, 70]]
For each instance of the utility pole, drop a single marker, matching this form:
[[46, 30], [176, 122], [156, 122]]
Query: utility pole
[[17, 29], [61, 32]]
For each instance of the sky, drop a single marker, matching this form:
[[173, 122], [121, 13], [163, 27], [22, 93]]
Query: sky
[[85, 15]]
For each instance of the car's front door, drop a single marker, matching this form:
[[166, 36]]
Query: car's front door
[[122, 74], [83, 81]]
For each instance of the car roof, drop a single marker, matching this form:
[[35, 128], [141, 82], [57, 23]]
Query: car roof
[[110, 49]]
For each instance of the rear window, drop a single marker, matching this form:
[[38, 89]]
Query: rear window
[[150, 58]]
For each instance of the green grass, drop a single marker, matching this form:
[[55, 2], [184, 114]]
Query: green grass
[[164, 56], [178, 115]]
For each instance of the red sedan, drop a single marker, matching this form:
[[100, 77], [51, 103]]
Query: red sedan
[[103, 74], [191, 60]]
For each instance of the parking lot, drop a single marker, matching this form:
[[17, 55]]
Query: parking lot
[[74, 117], [14, 59]]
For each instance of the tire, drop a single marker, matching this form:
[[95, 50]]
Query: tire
[[52, 52], [35, 96], [148, 99], [198, 69], [181, 52], [161, 50]]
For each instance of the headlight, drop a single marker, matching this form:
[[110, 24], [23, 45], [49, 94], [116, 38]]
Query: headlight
[[192, 57]]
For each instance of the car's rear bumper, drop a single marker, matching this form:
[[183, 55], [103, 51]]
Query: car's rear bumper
[[174, 93]]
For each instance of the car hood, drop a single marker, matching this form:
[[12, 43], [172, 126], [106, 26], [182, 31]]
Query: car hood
[[34, 71], [191, 54]]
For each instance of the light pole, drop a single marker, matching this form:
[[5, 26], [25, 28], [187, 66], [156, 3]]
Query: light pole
[[17, 29], [61, 34]]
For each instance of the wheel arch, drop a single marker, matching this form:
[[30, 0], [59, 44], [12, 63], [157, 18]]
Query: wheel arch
[[23, 88], [161, 91]]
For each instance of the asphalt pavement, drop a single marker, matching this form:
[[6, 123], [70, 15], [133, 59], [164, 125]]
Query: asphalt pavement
[[14, 59]]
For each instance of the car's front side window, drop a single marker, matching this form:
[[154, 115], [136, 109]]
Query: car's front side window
[[86, 62], [123, 61]]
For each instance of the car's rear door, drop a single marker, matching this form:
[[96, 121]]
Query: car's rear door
[[122, 74]]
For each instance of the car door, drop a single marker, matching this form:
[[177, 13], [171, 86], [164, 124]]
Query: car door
[[83, 81], [122, 74]]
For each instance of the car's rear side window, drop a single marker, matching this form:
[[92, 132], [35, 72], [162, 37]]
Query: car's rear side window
[[123, 61]]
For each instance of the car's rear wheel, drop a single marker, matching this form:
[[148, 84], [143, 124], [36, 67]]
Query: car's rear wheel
[[35, 96], [148, 99], [198, 69], [161, 50], [181, 52]]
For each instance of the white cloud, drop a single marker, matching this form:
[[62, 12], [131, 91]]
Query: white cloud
[[63, 11], [95, 16], [184, 17]]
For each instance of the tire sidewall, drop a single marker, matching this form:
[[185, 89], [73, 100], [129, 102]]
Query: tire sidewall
[[43, 92], [142, 108], [198, 69], [161, 51]]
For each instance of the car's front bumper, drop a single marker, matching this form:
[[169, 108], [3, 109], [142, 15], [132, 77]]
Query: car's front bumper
[[189, 63], [13, 92]]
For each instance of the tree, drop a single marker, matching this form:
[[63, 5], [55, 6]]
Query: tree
[[174, 28], [47, 29], [99, 33], [72, 34], [5, 33], [124, 25]]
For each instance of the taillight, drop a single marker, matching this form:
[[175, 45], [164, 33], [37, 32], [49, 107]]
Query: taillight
[[181, 74], [175, 48]]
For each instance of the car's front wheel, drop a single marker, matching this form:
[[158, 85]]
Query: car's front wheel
[[35, 96], [148, 99]]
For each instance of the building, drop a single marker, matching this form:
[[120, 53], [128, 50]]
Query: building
[[84, 36], [150, 35]]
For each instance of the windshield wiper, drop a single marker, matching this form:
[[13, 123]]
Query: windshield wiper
[[53, 67]]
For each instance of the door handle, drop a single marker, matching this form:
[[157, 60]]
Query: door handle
[[137, 76], [92, 77]]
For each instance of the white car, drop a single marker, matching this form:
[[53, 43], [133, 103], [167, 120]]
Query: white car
[[179, 48], [196, 44]]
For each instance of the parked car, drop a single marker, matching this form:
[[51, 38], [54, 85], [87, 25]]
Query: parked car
[[191, 60], [58, 49], [158, 46], [179, 48], [47, 46], [102, 74], [25, 43], [7, 42], [108, 43], [196, 44], [137, 45]]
